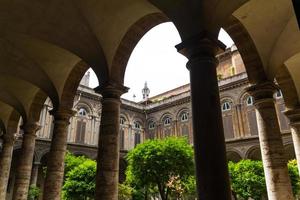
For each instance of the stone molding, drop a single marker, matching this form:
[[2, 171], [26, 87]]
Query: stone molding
[[262, 94], [203, 45], [111, 90], [62, 115], [30, 128], [294, 117]]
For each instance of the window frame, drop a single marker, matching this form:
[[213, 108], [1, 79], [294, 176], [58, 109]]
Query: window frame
[[226, 108], [184, 119], [82, 112], [168, 120]]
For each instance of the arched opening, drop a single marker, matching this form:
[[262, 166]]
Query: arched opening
[[233, 156], [254, 153]]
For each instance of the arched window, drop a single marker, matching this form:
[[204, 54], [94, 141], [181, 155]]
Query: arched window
[[249, 101], [137, 125], [81, 126], [167, 121], [151, 125], [278, 94], [137, 133], [80, 131], [185, 130], [226, 106], [82, 112], [184, 117], [122, 137], [122, 121], [137, 138]]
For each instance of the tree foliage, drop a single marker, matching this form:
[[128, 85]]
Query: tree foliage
[[161, 165], [125, 192], [80, 181], [248, 180], [294, 176], [72, 161], [33, 192]]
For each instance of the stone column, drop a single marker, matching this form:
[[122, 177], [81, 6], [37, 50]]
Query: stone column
[[34, 173], [24, 167], [5, 163], [208, 136], [107, 177], [294, 117], [55, 162], [273, 155]]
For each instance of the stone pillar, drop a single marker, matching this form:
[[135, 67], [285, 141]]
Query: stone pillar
[[24, 167], [273, 155], [107, 177], [208, 136], [5, 163], [34, 173], [55, 162], [294, 117]]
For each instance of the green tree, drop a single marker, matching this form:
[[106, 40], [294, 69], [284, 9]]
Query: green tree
[[80, 182], [33, 192], [248, 180], [72, 161], [80, 177], [125, 192], [161, 165], [294, 176]]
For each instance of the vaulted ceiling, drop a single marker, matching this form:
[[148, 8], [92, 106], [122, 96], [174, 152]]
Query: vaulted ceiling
[[43, 42]]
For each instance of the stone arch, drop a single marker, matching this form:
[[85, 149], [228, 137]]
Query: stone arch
[[151, 119], [37, 106], [288, 88], [8, 98], [71, 85], [130, 40], [253, 153], [181, 111], [125, 116], [22, 66], [224, 97], [43, 155], [242, 97], [85, 105], [13, 122], [233, 155], [247, 49], [138, 120], [166, 114]]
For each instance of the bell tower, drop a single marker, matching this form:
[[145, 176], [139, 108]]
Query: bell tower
[[145, 92]]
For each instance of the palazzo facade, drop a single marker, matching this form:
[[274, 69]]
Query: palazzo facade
[[164, 115]]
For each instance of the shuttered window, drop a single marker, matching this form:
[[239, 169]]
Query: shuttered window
[[80, 132]]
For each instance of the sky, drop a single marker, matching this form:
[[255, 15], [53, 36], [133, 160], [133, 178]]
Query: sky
[[156, 61]]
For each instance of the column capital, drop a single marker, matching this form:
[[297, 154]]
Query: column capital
[[31, 128], [294, 117], [9, 138], [262, 92], [203, 45], [111, 90], [37, 163], [62, 114]]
